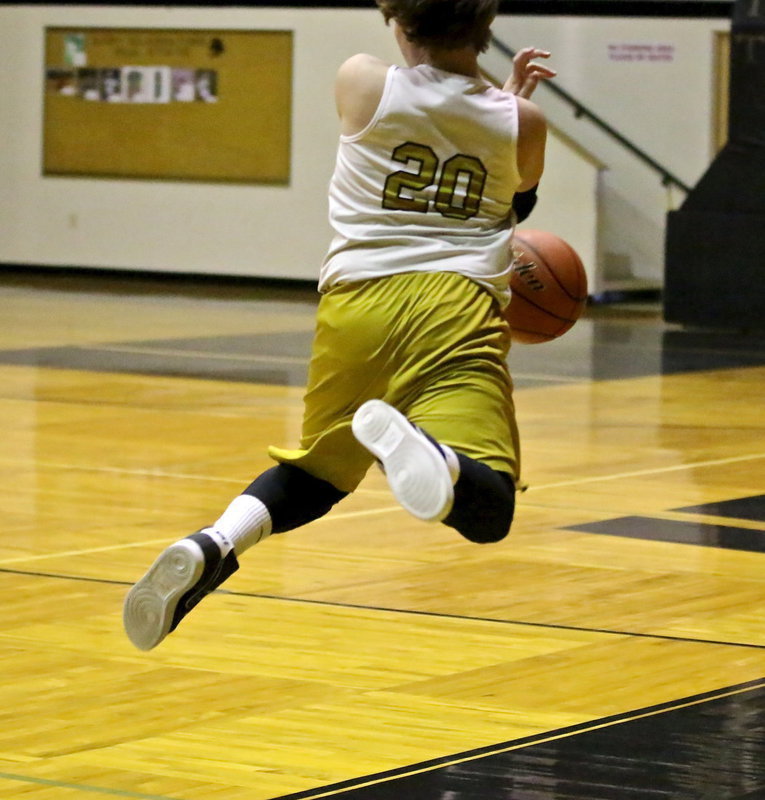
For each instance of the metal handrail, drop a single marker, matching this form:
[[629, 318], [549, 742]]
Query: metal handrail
[[580, 110]]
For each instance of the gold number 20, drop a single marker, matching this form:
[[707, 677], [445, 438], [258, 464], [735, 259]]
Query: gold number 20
[[458, 169]]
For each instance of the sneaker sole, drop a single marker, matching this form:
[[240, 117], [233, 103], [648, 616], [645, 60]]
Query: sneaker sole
[[150, 605], [417, 473]]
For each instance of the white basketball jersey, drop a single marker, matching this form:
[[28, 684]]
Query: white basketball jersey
[[428, 184]]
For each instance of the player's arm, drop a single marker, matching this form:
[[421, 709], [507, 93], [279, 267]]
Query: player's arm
[[526, 75], [532, 136], [359, 87]]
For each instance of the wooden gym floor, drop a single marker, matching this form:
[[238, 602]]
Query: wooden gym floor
[[612, 647]]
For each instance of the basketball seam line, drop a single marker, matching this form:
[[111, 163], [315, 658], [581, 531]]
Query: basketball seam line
[[543, 309]]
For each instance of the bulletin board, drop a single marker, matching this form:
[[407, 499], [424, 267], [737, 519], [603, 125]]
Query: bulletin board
[[159, 104]]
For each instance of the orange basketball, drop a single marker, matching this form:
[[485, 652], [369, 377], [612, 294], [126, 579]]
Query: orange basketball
[[549, 287]]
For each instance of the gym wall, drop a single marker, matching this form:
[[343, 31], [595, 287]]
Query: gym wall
[[279, 228]]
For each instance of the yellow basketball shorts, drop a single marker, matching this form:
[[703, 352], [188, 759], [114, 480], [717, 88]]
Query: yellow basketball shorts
[[434, 346]]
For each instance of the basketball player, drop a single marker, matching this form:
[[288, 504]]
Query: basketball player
[[408, 366]]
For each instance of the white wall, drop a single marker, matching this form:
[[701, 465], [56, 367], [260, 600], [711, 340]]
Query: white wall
[[664, 107], [274, 231], [568, 204], [269, 231]]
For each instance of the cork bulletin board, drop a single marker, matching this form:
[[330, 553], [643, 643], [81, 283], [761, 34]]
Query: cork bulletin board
[[159, 104]]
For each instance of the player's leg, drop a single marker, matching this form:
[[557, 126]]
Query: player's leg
[[282, 498], [305, 484], [474, 415], [484, 502], [420, 473], [453, 384], [433, 481]]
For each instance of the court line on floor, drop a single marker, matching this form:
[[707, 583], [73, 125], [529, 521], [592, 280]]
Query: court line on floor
[[82, 787], [443, 762], [205, 354], [154, 473], [351, 514], [126, 546], [83, 552], [652, 471], [406, 611], [533, 376], [671, 516], [489, 620], [138, 473], [145, 473], [391, 776]]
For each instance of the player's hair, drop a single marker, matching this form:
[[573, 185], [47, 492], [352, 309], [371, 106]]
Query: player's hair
[[443, 24]]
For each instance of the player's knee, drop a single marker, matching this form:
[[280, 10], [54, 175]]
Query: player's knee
[[484, 517], [490, 529]]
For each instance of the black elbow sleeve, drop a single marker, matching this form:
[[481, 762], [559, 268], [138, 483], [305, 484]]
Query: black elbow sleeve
[[524, 202]]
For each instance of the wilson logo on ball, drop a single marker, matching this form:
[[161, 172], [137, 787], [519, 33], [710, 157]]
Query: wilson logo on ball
[[527, 273], [548, 287]]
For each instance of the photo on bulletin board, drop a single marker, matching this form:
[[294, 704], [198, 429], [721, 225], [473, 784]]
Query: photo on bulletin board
[[158, 104]]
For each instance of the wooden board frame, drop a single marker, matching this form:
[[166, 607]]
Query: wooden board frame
[[168, 104]]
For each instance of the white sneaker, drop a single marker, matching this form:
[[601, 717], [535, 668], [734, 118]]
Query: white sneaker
[[415, 466], [181, 576]]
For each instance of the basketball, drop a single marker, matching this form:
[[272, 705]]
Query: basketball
[[548, 284]]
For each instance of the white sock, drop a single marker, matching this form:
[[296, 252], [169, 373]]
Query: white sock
[[244, 523]]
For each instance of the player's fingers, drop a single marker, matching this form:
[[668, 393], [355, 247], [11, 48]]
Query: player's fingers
[[524, 61], [542, 71], [529, 53], [522, 57]]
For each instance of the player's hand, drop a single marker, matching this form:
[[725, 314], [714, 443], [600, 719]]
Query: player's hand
[[527, 73]]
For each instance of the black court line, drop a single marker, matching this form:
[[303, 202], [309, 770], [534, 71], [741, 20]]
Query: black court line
[[752, 508], [726, 537], [274, 359], [707, 746], [408, 611], [615, 350]]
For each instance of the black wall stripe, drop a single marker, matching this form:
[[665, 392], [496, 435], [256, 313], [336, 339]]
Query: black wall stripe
[[581, 8]]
